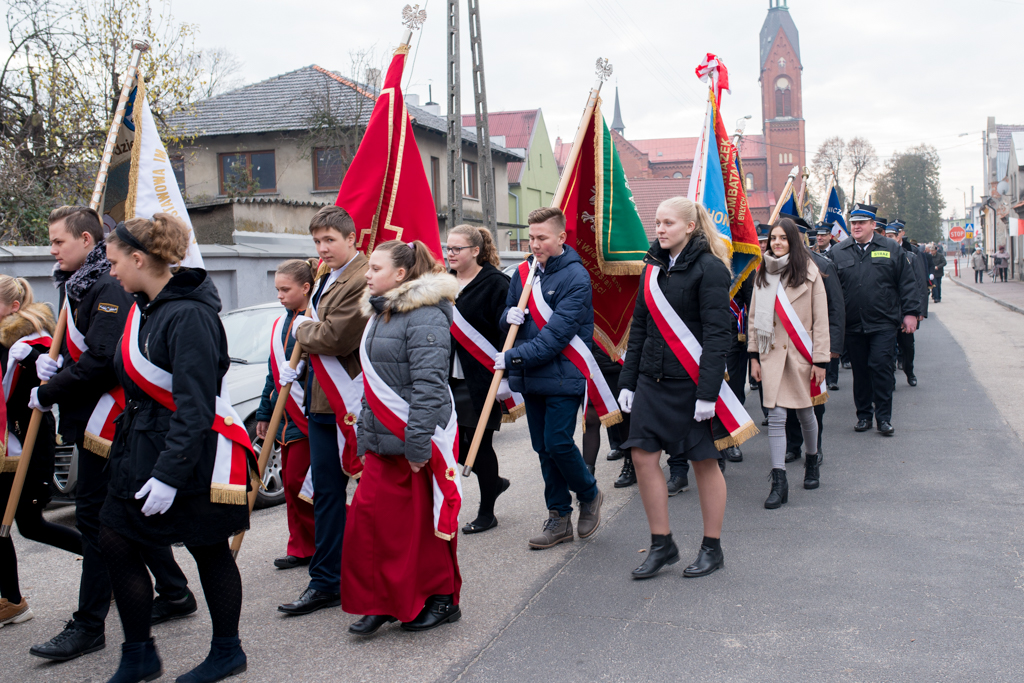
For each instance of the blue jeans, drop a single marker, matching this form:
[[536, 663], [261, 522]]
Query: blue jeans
[[329, 485], [552, 421]]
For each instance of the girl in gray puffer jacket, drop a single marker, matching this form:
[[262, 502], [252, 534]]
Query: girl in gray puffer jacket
[[394, 566]]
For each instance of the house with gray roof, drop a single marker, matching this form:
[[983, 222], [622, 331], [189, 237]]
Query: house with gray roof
[[267, 156]]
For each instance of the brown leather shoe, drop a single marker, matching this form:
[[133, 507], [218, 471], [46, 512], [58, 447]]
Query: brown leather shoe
[[14, 614], [590, 516], [557, 529]]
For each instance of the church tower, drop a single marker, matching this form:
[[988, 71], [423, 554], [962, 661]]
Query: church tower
[[781, 98]]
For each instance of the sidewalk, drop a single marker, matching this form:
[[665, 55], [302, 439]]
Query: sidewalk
[[1008, 294]]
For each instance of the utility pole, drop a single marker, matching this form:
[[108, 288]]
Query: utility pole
[[454, 120], [483, 137]]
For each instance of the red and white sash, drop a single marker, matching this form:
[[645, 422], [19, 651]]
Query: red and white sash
[[297, 394], [393, 412], [484, 352], [688, 350], [345, 396], [10, 446], [800, 339], [234, 458], [577, 352], [99, 430]]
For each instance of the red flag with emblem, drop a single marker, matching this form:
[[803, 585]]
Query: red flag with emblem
[[385, 187]]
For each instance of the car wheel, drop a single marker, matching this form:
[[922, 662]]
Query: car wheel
[[272, 492]]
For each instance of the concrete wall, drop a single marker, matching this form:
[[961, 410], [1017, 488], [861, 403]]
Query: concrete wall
[[216, 223], [243, 272]]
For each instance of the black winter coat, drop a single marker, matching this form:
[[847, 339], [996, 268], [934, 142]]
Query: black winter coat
[[100, 316], [697, 287], [879, 285], [482, 304], [836, 305], [180, 332], [923, 268]]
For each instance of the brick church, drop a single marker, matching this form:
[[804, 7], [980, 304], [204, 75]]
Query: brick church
[[660, 168]]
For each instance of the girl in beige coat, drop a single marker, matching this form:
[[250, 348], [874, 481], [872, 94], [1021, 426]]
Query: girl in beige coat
[[784, 373]]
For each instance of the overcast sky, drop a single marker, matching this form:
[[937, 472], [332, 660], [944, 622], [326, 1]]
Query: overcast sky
[[898, 72]]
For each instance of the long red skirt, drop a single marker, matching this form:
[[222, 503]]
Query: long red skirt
[[391, 560], [294, 465]]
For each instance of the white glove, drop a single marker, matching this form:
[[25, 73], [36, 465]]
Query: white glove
[[626, 401], [504, 393], [499, 360], [160, 497], [19, 351], [931, 277], [33, 401], [515, 316], [288, 375], [300, 320], [705, 410], [46, 367]]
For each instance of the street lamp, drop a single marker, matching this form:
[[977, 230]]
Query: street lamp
[[741, 125]]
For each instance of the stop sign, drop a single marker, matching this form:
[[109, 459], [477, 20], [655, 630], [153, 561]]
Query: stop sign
[[957, 234]]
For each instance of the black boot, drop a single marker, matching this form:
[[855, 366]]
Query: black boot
[[780, 490], [627, 477], [440, 609], [139, 662], [225, 659], [811, 472], [663, 551], [370, 624], [709, 559]]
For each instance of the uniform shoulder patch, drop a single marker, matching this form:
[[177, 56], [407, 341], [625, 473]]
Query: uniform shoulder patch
[[879, 254], [107, 308]]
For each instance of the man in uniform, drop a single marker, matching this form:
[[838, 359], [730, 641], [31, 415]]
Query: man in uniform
[[824, 245], [823, 238], [920, 263], [878, 286]]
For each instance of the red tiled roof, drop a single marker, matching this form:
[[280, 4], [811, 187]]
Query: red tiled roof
[[760, 200], [752, 147], [667, 149], [648, 193], [516, 126]]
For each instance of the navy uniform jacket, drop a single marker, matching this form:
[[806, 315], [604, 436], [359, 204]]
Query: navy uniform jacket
[[879, 284]]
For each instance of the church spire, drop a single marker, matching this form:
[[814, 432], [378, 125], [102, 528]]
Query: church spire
[[617, 125]]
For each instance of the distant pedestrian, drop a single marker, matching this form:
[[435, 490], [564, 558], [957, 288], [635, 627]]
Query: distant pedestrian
[[1001, 263], [979, 261], [939, 269], [963, 249]]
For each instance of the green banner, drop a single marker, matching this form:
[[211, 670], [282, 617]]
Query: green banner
[[617, 225]]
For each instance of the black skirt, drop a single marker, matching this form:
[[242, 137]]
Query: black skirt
[[662, 420], [465, 410], [193, 520]]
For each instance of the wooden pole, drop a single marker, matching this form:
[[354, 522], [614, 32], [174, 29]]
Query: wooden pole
[[492, 392], [30, 437], [803, 192], [828, 195], [139, 45], [577, 143], [785, 193], [269, 440]]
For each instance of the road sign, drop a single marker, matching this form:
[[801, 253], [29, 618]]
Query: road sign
[[969, 227], [957, 234]]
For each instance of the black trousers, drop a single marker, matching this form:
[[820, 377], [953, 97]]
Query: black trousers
[[905, 347], [795, 436], [872, 357], [937, 290], [94, 592], [831, 374]]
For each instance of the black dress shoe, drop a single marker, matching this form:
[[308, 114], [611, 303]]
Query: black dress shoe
[[370, 624], [886, 429], [165, 610], [663, 551], [833, 387], [310, 601], [708, 560], [678, 485], [764, 422], [479, 525], [627, 477], [912, 381], [617, 454], [72, 642], [291, 562], [846, 365], [733, 454], [792, 456], [438, 610], [862, 426]]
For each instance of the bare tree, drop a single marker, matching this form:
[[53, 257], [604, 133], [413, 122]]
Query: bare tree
[[828, 160], [863, 160], [222, 72]]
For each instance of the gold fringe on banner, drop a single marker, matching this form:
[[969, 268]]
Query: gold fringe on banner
[[230, 494], [612, 418], [514, 414], [742, 434], [9, 464], [97, 444], [133, 174], [820, 399]]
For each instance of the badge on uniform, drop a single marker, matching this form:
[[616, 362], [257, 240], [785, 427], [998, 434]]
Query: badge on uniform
[[107, 308], [879, 254]]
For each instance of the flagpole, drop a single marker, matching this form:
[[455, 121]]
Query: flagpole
[[828, 196], [786, 191], [803, 191], [139, 45], [604, 71], [700, 161]]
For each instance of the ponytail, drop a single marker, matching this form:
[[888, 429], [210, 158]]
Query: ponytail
[[414, 257], [302, 271], [479, 237], [690, 211]]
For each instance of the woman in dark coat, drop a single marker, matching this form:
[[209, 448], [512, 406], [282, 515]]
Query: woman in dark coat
[[671, 411], [23, 322], [473, 258], [162, 478]]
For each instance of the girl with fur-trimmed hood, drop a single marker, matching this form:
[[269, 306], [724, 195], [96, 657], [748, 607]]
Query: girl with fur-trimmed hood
[[23, 322], [394, 566]]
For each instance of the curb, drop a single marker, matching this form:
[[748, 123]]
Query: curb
[[1015, 309]]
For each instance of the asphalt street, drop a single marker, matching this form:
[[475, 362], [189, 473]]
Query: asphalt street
[[904, 566]]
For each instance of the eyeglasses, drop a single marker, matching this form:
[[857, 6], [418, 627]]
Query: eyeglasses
[[456, 250]]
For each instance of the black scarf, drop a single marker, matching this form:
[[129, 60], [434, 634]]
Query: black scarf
[[79, 282]]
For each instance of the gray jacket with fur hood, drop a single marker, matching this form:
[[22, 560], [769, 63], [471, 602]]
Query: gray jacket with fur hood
[[410, 352]]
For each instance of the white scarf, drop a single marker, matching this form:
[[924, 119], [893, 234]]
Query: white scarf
[[764, 311]]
